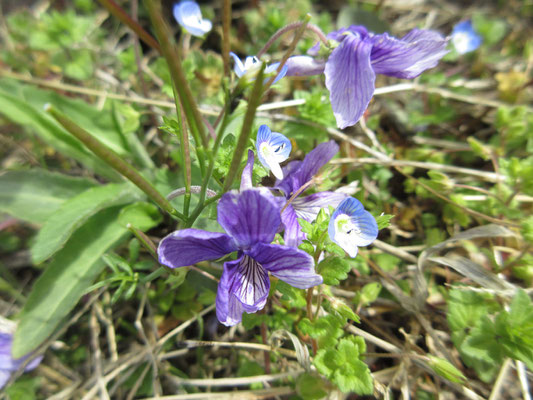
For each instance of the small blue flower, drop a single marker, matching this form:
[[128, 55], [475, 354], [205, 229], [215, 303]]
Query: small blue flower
[[351, 226], [189, 16], [251, 219], [251, 66], [465, 38], [272, 149]]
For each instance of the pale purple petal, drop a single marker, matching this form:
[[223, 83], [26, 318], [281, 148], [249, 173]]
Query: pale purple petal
[[293, 233], [189, 16], [289, 184], [249, 217], [308, 207], [350, 79], [190, 246], [9, 365], [4, 377], [246, 177], [304, 66], [289, 264], [272, 68], [244, 286], [409, 56], [314, 160]]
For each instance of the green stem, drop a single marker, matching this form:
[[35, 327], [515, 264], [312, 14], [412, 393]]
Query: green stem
[[113, 159], [172, 54], [246, 131], [226, 24], [119, 13], [186, 159]]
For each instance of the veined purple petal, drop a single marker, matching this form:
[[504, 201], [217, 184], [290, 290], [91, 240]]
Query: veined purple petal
[[351, 226], [272, 149], [304, 66], [189, 16], [308, 207], [289, 264], [246, 177], [350, 79], [300, 174], [244, 286], [293, 233], [249, 217], [190, 246], [409, 56]]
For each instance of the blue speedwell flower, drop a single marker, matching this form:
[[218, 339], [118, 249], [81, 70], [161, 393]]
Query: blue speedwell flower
[[189, 16], [352, 66], [272, 149], [297, 174], [251, 66], [9, 365], [251, 219], [351, 226], [465, 38]]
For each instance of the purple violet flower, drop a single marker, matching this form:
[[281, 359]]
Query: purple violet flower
[[297, 174], [465, 38], [189, 16], [251, 66], [9, 365], [351, 226], [251, 219], [272, 149], [352, 66]]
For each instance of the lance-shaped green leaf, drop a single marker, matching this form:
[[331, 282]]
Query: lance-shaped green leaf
[[141, 215], [74, 212], [65, 279], [34, 195]]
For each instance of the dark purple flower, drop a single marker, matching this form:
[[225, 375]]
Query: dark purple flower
[[297, 174], [8, 364], [251, 219], [352, 66]]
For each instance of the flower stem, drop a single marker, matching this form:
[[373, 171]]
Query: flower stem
[[244, 137], [226, 24], [119, 13], [172, 54], [297, 36], [113, 159], [295, 25]]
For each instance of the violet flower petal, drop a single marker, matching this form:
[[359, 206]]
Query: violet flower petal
[[465, 38], [246, 176], [244, 286], [293, 233], [289, 264], [304, 66], [409, 56], [249, 217], [350, 79], [308, 207], [190, 246]]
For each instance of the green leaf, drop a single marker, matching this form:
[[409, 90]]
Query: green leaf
[[65, 279], [36, 194], [74, 212], [311, 387], [141, 215], [354, 377], [333, 269], [370, 292], [383, 221]]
